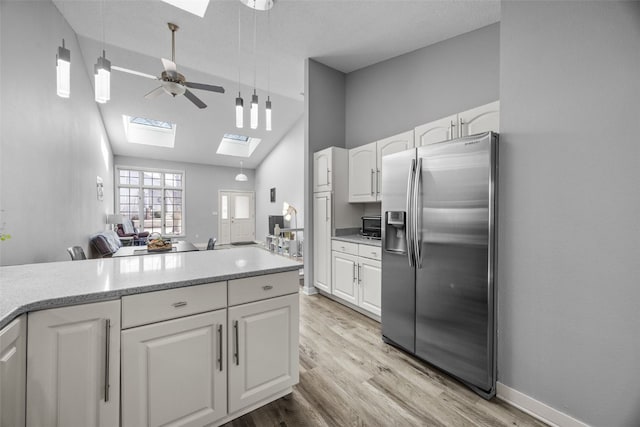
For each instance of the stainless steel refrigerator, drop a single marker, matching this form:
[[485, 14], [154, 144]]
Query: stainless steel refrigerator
[[439, 255]]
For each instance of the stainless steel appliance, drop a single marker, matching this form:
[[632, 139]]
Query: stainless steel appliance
[[371, 226], [439, 254]]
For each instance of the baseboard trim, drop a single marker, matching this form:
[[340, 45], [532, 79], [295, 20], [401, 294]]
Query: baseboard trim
[[309, 291], [535, 408]]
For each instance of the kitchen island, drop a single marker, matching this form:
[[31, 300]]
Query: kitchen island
[[195, 338]]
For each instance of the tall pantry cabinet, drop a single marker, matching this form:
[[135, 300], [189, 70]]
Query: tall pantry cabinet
[[331, 210]]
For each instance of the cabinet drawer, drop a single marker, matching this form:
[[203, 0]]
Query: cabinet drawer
[[346, 247], [262, 287], [151, 307], [367, 251]]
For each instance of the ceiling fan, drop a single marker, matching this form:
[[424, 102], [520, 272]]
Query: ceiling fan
[[171, 81]]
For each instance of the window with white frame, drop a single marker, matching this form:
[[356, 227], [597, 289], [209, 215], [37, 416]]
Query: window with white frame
[[152, 199]]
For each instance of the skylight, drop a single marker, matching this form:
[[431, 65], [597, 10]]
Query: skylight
[[141, 130], [197, 7], [237, 145]]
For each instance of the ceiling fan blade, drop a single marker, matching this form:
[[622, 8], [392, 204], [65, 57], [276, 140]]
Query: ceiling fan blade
[[134, 72], [191, 97], [169, 66], [203, 86], [155, 93]]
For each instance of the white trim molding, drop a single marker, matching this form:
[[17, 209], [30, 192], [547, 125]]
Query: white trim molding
[[536, 409]]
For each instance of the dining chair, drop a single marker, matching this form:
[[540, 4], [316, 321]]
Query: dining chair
[[76, 252]]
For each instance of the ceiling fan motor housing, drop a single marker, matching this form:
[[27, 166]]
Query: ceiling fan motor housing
[[173, 85]]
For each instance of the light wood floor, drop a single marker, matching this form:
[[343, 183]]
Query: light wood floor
[[349, 377]]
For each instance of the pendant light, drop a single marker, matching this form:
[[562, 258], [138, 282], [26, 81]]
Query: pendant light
[[102, 76], [241, 176], [267, 110], [63, 71], [254, 97], [239, 101], [102, 71]]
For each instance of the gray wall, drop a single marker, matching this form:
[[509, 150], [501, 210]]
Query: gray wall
[[202, 183], [283, 169], [52, 149], [424, 85], [324, 126], [569, 236]]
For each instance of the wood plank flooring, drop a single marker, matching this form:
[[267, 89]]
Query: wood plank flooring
[[349, 377]]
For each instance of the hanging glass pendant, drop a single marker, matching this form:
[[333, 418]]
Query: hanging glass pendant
[[267, 114], [102, 76], [239, 111], [254, 110], [63, 71]]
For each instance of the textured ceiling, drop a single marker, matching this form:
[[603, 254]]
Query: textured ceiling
[[343, 34]]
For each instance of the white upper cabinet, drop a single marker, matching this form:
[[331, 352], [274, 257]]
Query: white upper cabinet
[[480, 119], [365, 166], [476, 120], [362, 173], [390, 145], [436, 131], [322, 170]]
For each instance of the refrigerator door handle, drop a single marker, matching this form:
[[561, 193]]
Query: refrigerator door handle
[[409, 220], [416, 214]]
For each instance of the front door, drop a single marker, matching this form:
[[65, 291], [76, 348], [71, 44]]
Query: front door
[[237, 221]]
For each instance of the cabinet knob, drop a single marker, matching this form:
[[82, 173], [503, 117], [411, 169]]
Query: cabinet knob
[[179, 304], [267, 287]]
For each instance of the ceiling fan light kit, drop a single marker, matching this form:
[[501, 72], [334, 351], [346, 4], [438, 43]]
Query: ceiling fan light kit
[[63, 71], [102, 77]]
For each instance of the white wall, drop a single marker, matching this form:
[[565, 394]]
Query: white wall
[[569, 229], [283, 169], [401, 93], [202, 183], [52, 148]]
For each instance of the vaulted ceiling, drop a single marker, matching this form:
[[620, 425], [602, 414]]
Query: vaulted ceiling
[[218, 49]]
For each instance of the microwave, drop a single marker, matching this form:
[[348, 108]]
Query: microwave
[[371, 226]]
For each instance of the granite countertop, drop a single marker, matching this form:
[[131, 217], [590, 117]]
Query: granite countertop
[[30, 287], [356, 238]]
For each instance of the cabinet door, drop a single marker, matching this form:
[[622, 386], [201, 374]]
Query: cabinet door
[[13, 368], [73, 366], [174, 372], [480, 119], [263, 350], [390, 145], [370, 283], [436, 131], [362, 173], [345, 283], [322, 241], [322, 165]]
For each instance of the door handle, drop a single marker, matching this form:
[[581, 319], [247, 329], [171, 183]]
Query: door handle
[[372, 181], [236, 344], [378, 183], [328, 176], [353, 279], [408, 229], [107, 345], [417, 214], [326, 209], [359, 276], [220, 347]]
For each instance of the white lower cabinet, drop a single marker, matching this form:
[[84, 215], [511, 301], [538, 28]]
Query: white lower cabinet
[[174, 372], [13, 360], [357, 275], [73, 366], [263, 350]]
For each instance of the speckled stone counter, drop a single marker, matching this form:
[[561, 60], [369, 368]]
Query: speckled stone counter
[[30, 287], [356, 238]]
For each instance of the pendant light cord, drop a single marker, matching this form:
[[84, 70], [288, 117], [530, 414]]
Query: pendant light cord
[[255, 31], [269, 52], [239, 8]]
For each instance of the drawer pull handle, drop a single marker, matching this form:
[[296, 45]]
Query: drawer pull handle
[[179, 304], [267, 287], [236, 344]]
